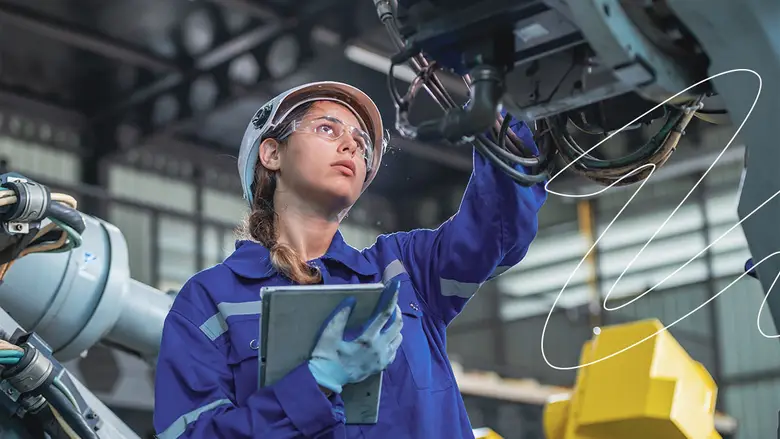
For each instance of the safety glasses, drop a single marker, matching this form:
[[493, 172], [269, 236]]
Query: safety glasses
[[332, 129]]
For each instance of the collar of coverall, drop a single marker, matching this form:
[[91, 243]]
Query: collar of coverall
[[244, 261]]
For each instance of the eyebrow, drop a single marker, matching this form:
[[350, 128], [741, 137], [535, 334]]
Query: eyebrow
[[328, 117], [335, 119]]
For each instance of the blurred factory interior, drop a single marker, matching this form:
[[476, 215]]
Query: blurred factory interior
[[137, 108]]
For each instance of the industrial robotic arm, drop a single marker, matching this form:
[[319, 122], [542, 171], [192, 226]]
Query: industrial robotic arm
[[543, 66], [65, 287]]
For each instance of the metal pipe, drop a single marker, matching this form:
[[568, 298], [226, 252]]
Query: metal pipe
[[140, 324], [486, 92], [249, 7]]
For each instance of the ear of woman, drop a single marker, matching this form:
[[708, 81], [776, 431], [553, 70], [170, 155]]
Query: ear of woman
[[269, 154]]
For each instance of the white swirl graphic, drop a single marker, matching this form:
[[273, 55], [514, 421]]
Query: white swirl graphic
[[638, 169]]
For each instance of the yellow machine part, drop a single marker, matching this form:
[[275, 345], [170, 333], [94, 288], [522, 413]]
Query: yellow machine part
[[485, 433], [653, 390]]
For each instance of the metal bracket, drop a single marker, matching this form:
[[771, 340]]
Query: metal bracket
[[622, 47], [16, 227]]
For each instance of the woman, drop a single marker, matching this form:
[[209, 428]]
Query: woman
[[305, 159]]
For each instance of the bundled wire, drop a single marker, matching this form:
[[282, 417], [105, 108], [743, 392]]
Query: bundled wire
[[61, 234], [656, 151], [66, 223], [10, 354]]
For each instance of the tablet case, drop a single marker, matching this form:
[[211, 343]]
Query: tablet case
[[291, 319]]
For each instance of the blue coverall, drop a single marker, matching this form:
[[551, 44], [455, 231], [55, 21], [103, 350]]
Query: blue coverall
[[207, 372]]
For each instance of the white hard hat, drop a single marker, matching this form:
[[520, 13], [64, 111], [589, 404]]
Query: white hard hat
[[277, 109]]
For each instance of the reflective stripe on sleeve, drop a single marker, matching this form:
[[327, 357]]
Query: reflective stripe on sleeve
[[179, 426], [216, 325]]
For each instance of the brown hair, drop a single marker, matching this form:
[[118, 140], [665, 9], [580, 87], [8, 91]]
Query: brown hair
[[260, 224]]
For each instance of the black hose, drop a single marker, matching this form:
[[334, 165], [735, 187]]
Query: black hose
[[62, 404], [636, 158], [65, 214], [519, 177], [506, 155], [502, 135], [487, 88]]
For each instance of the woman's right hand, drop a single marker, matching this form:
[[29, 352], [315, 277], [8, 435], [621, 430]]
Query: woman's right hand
[[339, 358]]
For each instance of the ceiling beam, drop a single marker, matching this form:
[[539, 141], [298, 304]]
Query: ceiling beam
[[221, 53], [82, 38], [251, 8]]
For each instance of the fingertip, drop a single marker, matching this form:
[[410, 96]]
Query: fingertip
[[348, 302], [394, 300], [387, 300], [342, 312]]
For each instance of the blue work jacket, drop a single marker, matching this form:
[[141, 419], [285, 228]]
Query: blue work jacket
[[207, 372]]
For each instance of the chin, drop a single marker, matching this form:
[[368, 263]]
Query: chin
[[340, 196]]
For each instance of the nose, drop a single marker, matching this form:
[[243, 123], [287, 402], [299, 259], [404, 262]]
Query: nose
[[348, 144]]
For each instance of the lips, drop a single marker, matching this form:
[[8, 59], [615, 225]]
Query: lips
[[347, 167]]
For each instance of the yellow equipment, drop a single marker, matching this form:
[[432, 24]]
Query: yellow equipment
[[653, 390], [485, 433]]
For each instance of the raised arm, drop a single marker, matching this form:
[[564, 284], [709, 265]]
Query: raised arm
[[490, 233], [195, 395]]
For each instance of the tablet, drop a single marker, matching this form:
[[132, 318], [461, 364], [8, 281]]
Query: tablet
[[291, 319]]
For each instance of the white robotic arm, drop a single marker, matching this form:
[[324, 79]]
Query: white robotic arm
[[78, 298], [65, 287]]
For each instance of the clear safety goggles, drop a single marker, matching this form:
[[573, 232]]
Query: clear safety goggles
[[333, 129]]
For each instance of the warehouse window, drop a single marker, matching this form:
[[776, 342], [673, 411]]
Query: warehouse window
[[176, 241], [151, 189], [557, 252], [136, 226], [38, 161], [223, 206]]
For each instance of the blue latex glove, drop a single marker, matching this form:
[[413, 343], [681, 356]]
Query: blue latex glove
[[342, 357]]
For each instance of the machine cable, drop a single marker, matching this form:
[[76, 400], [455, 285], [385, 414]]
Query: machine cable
[[623, 171], [42, 394], [24, 207]]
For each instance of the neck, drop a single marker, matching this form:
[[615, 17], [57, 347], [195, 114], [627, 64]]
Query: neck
[[306, 230]]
